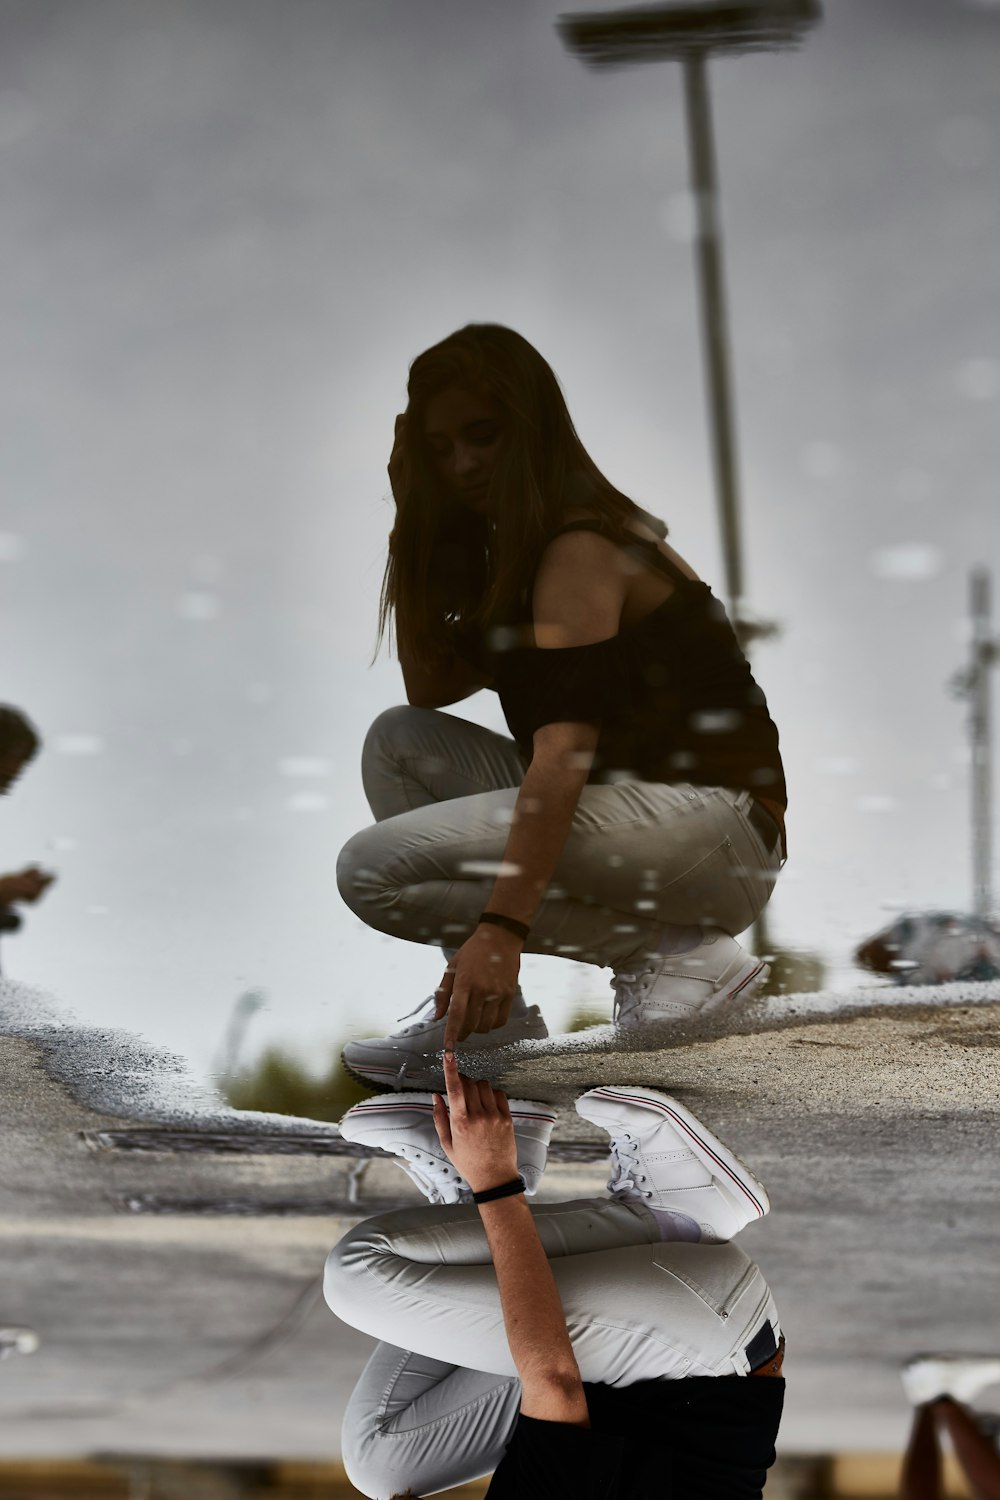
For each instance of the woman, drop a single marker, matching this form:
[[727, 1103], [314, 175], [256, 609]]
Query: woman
[[599, 1348], [635, 819]]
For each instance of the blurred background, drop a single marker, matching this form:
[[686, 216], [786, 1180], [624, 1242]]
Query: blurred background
[[227, 229]]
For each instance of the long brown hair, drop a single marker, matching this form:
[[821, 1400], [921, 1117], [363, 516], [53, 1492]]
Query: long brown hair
[[450, 567]]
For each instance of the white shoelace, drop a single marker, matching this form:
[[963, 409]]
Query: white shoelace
[[427, 1171], [625, 1162], [417, 1025]]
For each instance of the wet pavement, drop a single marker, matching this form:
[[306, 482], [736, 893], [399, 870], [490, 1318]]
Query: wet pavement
[[168, 1250]]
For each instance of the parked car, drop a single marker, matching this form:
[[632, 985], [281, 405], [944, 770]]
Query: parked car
[[933, 946]]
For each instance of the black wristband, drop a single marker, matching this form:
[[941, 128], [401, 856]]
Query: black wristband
[[507, 1190], [520, 929]]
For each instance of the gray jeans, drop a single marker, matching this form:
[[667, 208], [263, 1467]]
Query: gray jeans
[[438, 1400], [640, 855]]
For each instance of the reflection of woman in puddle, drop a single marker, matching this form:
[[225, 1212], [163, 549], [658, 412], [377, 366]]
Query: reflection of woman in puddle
[[597, 1348], [635, 820], [940, 1387]]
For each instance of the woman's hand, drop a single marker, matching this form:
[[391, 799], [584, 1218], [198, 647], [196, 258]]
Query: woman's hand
[[26, 885], [480, 983], [478, 1137]]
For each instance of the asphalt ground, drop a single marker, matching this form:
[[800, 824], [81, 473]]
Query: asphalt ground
[[168, 1250]]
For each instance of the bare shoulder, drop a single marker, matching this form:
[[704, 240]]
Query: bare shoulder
[[579, 592], [638, 528], [586, 552], [575, 550]]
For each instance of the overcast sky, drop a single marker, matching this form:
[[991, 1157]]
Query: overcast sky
[[229, 225]]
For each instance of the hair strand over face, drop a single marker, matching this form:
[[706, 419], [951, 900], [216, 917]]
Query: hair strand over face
[[450, 567]]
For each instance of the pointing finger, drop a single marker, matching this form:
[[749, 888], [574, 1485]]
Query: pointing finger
[[455, 1025], [454, 1083], [441, 1122]]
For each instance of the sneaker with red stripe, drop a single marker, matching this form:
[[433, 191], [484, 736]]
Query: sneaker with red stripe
[[663, 1154], [677, 987], [404, 1124]]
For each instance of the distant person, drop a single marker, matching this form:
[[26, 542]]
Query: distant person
[[19, 744], [635, 819], [941, 1386], [604, 1349], [935, 947]]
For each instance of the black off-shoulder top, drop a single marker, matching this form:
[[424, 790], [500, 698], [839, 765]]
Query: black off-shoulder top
[[698, 1439], [673, 695]]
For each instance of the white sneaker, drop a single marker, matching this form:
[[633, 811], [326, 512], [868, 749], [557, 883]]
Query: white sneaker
[[961, 1376], [411, 1058], [683, 985], [404, 1125], [664, 1155]]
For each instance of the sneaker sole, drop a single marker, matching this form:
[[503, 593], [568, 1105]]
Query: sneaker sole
[[724, 1165], [381, 1104], [523, 1112]]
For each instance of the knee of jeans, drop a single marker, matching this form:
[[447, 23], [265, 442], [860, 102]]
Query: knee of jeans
[[357, 876], [359, 1453], [376, 1466], [390, 729], [385, 1457], [345, 1260], [335, 1293], [366, 1259]]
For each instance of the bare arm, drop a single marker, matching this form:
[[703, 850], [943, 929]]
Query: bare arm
[[533, 1315], [543, 815], [478, 987], [578, 600], [477, 1135]]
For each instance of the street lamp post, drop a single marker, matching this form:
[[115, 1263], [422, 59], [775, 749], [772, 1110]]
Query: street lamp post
[[973, 685], [689, 33], [708, 251], [984, 657]]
